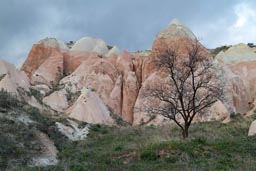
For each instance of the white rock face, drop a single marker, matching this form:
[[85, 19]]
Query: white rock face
[[49, 152], [12, 79], [72, 131], [237, 65], [217, 111], [88, 44], [114, 51], [90, 108], [42, 88], [236, 54], [176, 29], [252, 129], [53, 42]]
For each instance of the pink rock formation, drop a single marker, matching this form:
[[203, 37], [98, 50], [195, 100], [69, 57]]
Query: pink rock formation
[[115, 97], [239, 75], [73, 60], [50, 72], [90, 108], [138, 68], [13, 80], [130, 92], [97, 74], [176, 37], [119, 80], [124, 62], [130, 86], [45, 62], [57, 100]]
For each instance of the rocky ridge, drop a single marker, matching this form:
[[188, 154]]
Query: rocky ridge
[[90, 82]]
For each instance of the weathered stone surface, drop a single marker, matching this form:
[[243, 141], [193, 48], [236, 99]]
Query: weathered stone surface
[[237, 54], [124, 62], [252, 106], [140, 113], [120, 78], [138, 68], [42, 88], [48, 154], [217, 111], [88, 44], [252, 129], [239, 75], [130, 92], [49, 72], [115, 98], [57, 100], [90, 108], [13, 80], [52, 42], [176, 29], [74, 59], [112, 59], [114, 51], [72, 130], [97, 74], [176, 37], [40, 52]]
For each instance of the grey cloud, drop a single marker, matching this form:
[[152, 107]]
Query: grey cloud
[[130, 25]]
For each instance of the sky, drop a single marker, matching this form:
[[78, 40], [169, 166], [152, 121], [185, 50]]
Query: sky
[[129, 24]]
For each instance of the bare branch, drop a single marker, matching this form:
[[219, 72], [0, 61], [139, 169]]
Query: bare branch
[[191, 86]]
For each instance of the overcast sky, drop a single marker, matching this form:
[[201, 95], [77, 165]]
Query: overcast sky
[[130, 24]]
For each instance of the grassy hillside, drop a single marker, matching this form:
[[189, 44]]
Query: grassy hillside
[[20, 125], [211, 146]]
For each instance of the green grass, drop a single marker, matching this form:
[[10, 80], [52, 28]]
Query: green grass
[[211, 146], [18, 141]]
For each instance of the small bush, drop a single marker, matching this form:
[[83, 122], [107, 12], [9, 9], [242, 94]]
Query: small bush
[[149, 154], [2, 76], [36, 94], [8, 101]]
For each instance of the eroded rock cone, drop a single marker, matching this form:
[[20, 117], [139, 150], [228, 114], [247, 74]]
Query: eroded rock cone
[[45, 62], [176, 37]]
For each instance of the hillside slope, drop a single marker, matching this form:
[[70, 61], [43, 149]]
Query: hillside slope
[[213, 146]]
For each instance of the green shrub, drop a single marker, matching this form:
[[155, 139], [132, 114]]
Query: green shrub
[[149, 154], [36, 94], [2, 76], [8, 101]]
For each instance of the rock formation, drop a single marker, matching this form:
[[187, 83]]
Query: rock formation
[[45, 62], [252, 129], [72, 130], [116, 80], [176, 36], [13, 80], [57, 100], [239, 75], [90, 108]]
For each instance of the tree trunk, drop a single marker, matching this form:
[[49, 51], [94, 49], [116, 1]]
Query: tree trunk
[[185, 132]]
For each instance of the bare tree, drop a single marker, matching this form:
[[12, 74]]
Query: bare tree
[[190, 88]]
